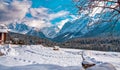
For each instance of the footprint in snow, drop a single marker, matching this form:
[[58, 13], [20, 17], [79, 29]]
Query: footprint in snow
[[29, 61], [33, 62], [15, 58], [24, 60]]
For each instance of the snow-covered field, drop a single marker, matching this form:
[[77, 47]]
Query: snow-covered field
[[38, 57]]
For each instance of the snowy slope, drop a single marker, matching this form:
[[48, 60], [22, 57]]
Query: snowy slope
[[45, 32], [87, 26], [73, 29], [50, 32], [38, 57], [18, 28], [76, 26]]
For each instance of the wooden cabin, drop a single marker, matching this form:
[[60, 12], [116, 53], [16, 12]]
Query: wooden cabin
[[3, 33]]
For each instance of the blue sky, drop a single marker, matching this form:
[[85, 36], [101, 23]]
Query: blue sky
[[37, 13], [56, 6]]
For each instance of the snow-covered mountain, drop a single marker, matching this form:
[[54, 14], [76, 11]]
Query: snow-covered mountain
[[82, 30], [19, 28], [46, 32], [77, 28], [50, 32], [85, 26]]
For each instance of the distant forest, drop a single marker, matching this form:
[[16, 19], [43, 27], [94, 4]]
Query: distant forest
[[95, 43]]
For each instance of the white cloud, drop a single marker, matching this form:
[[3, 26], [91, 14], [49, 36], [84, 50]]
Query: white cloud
[[37, 23], [40, 13], [42, 17], [14, 11], [57, 15], [43, 13], [61, 23]]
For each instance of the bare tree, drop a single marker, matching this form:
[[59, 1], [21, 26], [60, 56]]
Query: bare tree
[[91, 4], [106, 10]]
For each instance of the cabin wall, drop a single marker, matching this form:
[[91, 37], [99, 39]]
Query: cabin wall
[[5, 37], [2, 38]]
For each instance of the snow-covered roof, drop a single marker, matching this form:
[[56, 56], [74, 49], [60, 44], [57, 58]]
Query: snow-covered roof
[[3, 28], [3, 31]]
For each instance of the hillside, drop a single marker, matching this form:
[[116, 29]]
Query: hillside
[[24, 39], [90, 43], [94, 43]]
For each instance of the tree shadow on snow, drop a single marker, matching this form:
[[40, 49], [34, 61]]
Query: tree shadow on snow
[[41, 67]]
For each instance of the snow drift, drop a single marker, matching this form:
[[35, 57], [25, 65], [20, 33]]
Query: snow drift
[[38, 57], [9, 51]]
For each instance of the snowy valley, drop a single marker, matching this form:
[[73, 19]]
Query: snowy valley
[[38, 57], [59, 34]]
